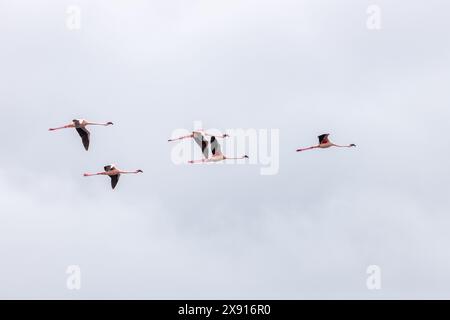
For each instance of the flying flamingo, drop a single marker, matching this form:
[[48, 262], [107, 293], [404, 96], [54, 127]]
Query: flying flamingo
[[199, 138], [325, 143], [80, 125], [216, 153], [114, 173]]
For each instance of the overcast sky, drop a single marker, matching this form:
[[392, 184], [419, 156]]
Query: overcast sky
[[304, 67]]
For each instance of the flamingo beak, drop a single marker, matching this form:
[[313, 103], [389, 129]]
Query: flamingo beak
[[352, 145]]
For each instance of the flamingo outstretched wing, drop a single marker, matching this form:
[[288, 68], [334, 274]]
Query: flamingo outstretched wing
[[114, 180], [215, 147], [84, 134], [202, 143]]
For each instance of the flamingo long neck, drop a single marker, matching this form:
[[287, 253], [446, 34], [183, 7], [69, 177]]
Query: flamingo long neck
[[236, 158], [339, 146], [217, 136], [128, 172]]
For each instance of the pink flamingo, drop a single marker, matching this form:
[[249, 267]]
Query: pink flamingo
[[80, 125], [114, 173], [217, 153], [199, 138], [325, 143]]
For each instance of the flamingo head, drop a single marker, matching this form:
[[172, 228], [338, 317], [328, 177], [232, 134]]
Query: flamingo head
[[246, 156], [225, 135], [109, 123], [352, 145], [139, 171]]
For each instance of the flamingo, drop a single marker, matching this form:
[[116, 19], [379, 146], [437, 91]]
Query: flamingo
[[199, 138], [217, 154], [114, 173], [325, 143], [80, 125]]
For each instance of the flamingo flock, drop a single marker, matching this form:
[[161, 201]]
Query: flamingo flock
[[110, 170], [199, 136]]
